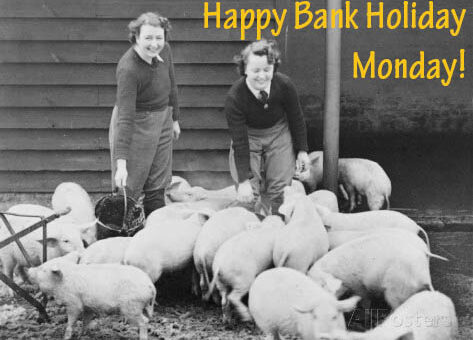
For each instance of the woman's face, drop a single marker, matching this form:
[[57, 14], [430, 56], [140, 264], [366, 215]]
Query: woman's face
[[258, 72], [150, 41]]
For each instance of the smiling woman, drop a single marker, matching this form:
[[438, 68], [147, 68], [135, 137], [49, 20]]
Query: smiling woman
[[266, 126], [146, 112]]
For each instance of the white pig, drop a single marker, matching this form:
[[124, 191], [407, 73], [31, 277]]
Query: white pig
[[344, 227], [164, 246], [109, 250], [72, 195], [325, 198], [424, 316], [60, 241], [237, 263], [356, 177], [284, 301], [390, 263], [86, 229], [220, 227], [305, 239], [97, 288]]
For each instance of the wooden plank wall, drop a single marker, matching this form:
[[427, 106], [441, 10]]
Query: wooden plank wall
[[57, 88]]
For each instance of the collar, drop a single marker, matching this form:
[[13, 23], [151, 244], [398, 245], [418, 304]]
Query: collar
[[140, 57], [255, 91]]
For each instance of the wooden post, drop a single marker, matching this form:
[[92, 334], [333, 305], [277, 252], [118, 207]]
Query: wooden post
[[332, 100]]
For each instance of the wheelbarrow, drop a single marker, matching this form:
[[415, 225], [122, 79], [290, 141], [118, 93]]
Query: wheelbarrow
[[16, 238]]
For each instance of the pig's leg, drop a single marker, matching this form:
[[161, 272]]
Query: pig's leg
[[73, 313], [8, 264], [352, 197], [226, 311], [87, 318], [134, 313], [235, 299], [374, 201], [195, 282], [272, 336], [216, 297]]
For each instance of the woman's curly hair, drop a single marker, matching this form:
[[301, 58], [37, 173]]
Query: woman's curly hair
[[261, 47], [149, 18]]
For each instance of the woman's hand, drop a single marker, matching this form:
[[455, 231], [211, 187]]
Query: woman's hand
[[302, 162], [245, 192], [121, 174], [176, 130]]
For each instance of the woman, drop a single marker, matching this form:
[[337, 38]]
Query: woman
[[266, 126], [145, 117]]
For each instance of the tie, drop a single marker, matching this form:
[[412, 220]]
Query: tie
[[264, 98], [154, 62]]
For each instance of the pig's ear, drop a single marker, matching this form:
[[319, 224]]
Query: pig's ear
[[73, 257], [286, 209], [201, 216], [333, 284], [305, 307], [252, 225], [348, 304], [56, 272], [84, 226], [50, 242]]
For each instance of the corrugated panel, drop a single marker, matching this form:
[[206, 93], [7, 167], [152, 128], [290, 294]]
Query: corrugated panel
[[118, 8], [57, 88], [110, 30], [93, 181], [99, 160], [99, 96], [97, 118], [99, 74], [17, 51], [58, 139]]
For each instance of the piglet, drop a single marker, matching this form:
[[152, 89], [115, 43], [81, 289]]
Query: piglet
[[239, 260], [284, 301], [99, 288], [220, 227], [424, 316], [304, 240], [391, 263], [109, 250]]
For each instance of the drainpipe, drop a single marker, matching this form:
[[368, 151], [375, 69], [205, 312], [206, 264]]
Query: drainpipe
[[332, 100]]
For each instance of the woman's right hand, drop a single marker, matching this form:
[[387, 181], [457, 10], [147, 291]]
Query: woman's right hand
[[121, 174], [245, 192]]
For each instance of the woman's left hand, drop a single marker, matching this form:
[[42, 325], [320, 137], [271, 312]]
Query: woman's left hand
[[302, 161], [176, 130]]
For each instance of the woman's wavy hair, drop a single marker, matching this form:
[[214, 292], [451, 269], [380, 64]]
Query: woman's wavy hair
[[149, 18], [261, 47]]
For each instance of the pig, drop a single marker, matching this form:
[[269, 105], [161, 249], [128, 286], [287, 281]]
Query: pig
[[220, 227], [344, 227], [60, 241], [284, 301], [424, 316], [305, 239], [391, 263], [109, 250], [325, 198], [237, 263], [164, 246], [86, 229], [357, 177], [72, 195], [97, 288]]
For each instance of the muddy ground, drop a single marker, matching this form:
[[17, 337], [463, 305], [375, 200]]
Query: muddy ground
[[180, 316]]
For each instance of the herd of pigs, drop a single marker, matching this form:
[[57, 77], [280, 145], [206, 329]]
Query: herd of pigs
[[300, 272]]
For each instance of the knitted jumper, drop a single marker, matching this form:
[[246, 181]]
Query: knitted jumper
[[244, 110], [142, 87]]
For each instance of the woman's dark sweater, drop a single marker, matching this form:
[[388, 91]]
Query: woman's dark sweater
[[142, 87], [244, 110]]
